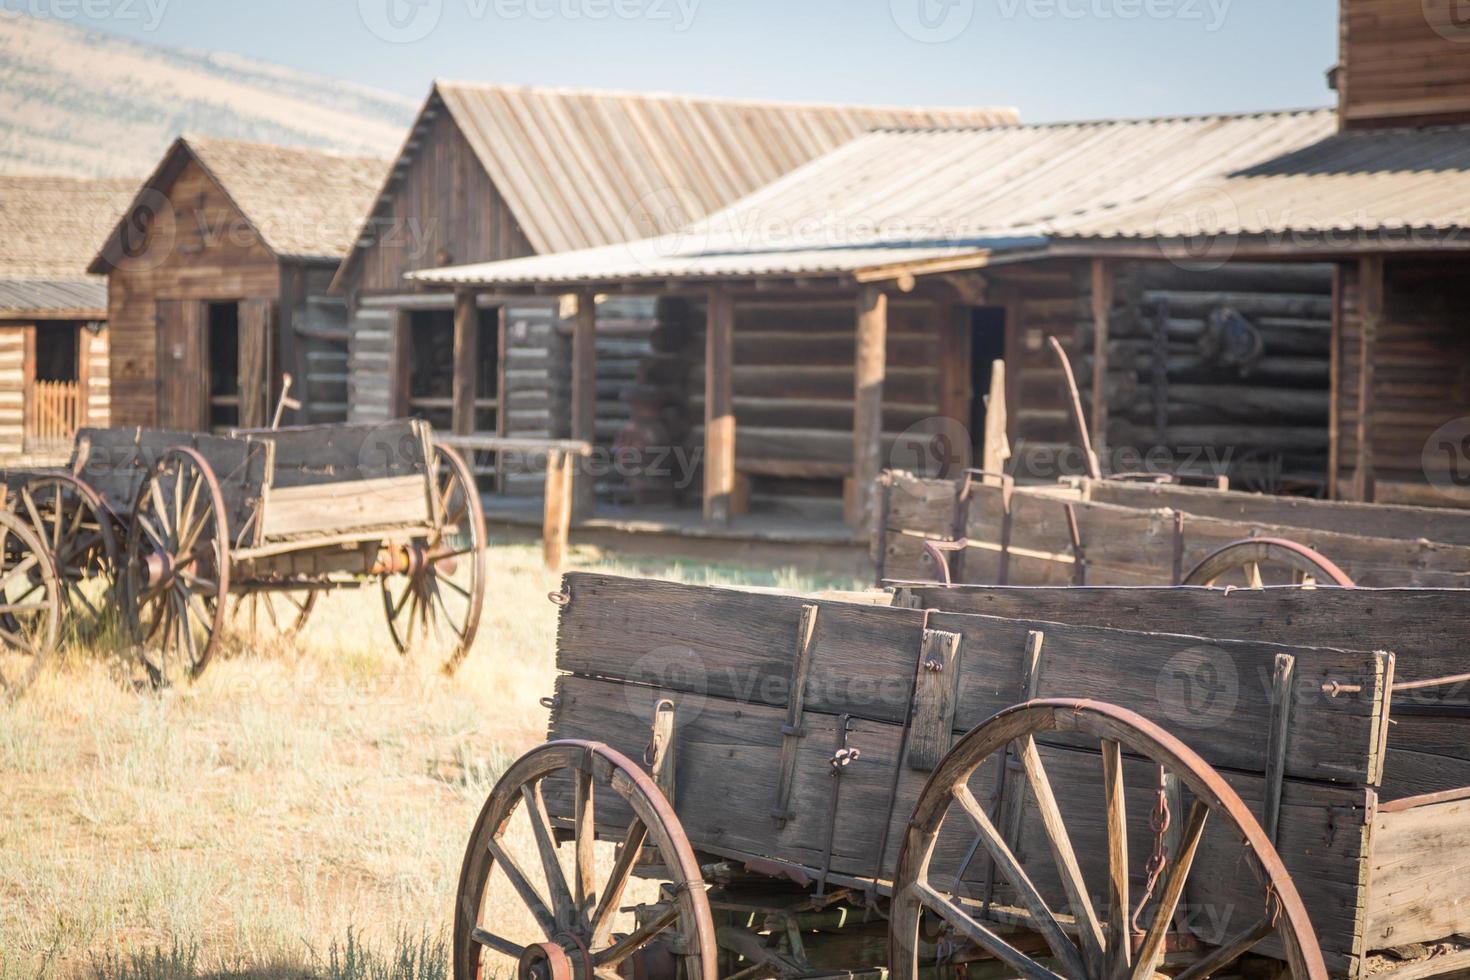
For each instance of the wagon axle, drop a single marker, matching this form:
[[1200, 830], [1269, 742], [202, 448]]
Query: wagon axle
[[412, 559]]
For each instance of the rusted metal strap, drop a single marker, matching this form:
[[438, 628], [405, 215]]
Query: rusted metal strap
[[843, 755], [1079, 551], [791, 732]]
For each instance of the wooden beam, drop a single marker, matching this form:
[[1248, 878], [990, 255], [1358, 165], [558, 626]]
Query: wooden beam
[[719, 407], [952, 321], [1102, 305], [1334, 385], [867, 436], [584, 396], [1370, 315], [466, 361]]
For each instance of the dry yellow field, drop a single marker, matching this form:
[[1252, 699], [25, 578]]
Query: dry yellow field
[[296, 796]]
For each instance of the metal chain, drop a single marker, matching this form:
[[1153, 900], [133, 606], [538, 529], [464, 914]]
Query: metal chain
[[1159, 859]]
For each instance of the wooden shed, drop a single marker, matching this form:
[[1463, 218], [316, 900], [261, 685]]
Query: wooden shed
[[53, 315], [497, 172], [857, 326], [217, 284]]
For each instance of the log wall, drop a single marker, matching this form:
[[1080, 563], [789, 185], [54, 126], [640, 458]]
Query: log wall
[[1403, 63], [1420, 377], [13, 387]]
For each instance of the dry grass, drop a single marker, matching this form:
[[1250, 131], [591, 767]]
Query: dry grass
[[301, 810]]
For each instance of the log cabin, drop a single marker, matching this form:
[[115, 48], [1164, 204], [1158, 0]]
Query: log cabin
[[217, 285], [53, 315], [1277, 298], [493, 172]]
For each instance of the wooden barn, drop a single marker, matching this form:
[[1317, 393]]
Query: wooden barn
[[499, 172], [847, 317], [217, 284], [53, 315]]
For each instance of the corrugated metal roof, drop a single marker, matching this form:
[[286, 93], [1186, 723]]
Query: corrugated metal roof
[[1376, 182], [305, 204], [50, 227], [83, 298], [902, 196], [581, 169]]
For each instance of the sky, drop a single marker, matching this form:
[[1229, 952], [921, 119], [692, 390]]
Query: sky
[[1053, 59]]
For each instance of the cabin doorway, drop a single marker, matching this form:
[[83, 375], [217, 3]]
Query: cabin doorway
[[431, 365], [54, 411], [987, 345], [222, 354]]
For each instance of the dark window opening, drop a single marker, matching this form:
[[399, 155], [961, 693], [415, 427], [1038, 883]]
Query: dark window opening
[[431, 367], [487, 372], [223, 358], [987, 345], [57, 352]]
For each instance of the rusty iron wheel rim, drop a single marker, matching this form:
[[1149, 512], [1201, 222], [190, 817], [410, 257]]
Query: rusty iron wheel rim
[[427, 602], [30, 605], [577, 914], [77, 528], [178, 525], [1249, 555], [1119, 731]]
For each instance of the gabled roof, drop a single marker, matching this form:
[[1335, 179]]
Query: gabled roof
[[304, 204], [49, 230], [580, 169], [932, 197]]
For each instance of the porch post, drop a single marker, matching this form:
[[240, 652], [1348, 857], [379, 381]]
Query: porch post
[[1370, 302], [719, 406], [1102, 304], [584, 398], [466, 360], [867, 416]]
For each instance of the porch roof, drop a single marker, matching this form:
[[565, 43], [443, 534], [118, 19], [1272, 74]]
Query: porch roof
[[78, 298]]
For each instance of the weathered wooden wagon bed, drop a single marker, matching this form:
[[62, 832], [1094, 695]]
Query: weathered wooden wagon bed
[[813, 748], [986, 530]]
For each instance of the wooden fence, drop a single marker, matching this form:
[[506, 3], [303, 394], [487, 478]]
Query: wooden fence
[[55, 414]]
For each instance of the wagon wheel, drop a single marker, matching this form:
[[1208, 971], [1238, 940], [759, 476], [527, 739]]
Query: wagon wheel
[[573, 909], [77, 529], [1257, 562], [273, 615], [30, 605], [437, 603], [178, 566], [1112, 947]]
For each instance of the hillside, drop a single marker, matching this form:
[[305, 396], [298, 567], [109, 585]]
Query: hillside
[[79, 101]]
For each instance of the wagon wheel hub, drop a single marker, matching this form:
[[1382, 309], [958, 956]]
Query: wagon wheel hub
[[564, 958]]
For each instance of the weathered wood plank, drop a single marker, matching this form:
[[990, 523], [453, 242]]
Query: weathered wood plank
[[1420, 863]]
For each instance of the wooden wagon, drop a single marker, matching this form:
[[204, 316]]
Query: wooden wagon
[[985, 529], [255, 525], [964, 783]]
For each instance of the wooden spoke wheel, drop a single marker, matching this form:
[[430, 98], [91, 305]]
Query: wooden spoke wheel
[[1093, 943], [178, 566], [566, 911], [77, 529], [272, 615], [30, 605], [1257, 562], [436, 605]]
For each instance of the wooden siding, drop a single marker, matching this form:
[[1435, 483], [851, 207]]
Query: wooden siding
[[1421, 373], [1403, 62], [313, 343], [97, 407], [198, 248], [444, 210], [12, 387]]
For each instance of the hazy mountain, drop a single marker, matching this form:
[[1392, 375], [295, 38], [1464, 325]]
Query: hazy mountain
[[79, 101]]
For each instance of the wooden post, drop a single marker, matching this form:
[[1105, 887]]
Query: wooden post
[[1334, 386], [557, 522], [466, 361], [954, 352], [1102, 305], [719, 407], [584, 397], [997, 443], [1370, 315], [867, 421]]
